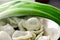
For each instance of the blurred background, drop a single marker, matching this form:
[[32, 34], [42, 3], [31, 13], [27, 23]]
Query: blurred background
[[55, 3]]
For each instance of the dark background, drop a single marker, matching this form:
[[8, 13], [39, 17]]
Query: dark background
[[52, 2], [55, 3]]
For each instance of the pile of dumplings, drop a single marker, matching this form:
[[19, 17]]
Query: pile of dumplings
[[27, 28]]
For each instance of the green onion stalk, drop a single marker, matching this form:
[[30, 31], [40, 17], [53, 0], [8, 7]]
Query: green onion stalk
[[26, 8]]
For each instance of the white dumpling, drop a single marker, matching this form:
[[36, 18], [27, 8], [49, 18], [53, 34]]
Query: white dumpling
[[12, 22], [40, 30], [22, 35], [53, 33], [32, 24], [4, 36], [2, 23], [7, 28], [16, 19], [39, 35], [33, 36], [59, 30], [20, 24], [43, 38]]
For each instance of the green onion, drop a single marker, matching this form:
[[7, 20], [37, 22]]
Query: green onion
[[32, 9], [5, 6]]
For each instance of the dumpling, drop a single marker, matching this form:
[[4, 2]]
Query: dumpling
[[32, 24], [4, 36], [39, 35], [12, 22], [2, 22], [41, 30], [22, 35], [7, 28], [20, 25], [43, 38], [16, 19], [53, 33]]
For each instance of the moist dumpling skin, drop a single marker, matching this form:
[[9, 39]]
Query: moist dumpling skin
[[4, 36], [7, 28], [23, 35], [32, 24]]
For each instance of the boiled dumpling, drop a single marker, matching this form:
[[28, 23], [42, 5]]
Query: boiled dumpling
[[22, 35], [41, 30], [39, 35], [43, 38], [20, 25], [32, 24], [2, 22], [7, 28], [4, 36], [12, 22], [53, 33], [33, 36], [16, 19]]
